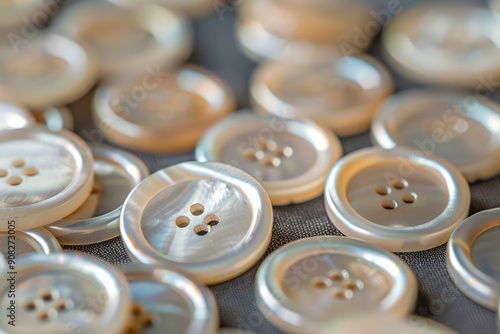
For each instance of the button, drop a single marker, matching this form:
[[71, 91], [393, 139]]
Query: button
[[455, 126], [473, 258], [54, 118], [25, 71], [15, 14], [169, 116], [143, 37], [168, 301], [290, 158], [193, 8], [14, 117], [340, 93], [64, 292], [116, 173], [44, 176], [307, 283], [209, 219], [397, 199], [37, 240], [444, 44]]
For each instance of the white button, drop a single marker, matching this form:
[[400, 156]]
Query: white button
[[462, 130], [37, 240], [64, 292], [168, 114], [290, 158], [444, 44], [116, 173], [14, 117], [209, 219], [49, 70], [306, 284], [143, 37], [193, 8], [397, 199], [340, 93], [167, 301], [54, 118], [44, 176], [474, 257]]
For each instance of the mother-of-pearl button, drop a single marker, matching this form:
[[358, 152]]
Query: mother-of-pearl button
[[14, 117], [37, 240], [210, 219], [398, 199]]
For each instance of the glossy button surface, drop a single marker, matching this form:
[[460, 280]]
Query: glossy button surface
[[49, 70], [448, 44], [142, 37], [37, 240], [307, 283], [168, 115], [474, 256], [340, 93], [116, 173], [462, 130], [55, 118], [290, 158], [62, 291], [14, 117], [166, 301], [397, 199], [210, 219], [44, 176]]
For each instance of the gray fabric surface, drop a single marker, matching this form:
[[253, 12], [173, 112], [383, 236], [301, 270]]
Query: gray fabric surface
[[438, 298]]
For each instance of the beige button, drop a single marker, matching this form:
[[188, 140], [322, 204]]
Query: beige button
[[209, 219], [38, 240], [340, 93], [290, 158], [49, 70], [162, 114], [44, 176], [14, 117], [306, 284], [444, 44], [13, 14], [141, 37], [193, 8], [397, 199], [455, 126]]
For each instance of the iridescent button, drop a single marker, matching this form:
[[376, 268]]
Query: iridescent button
[[14, 117], [37, 240], [116, 173], [44, 176], [455, 126], [49, 70], [141, 37], [162, 115], [62, 292], [290, 158], [209, 219], [473, 258], [397, 199], [445, 44], [340, 93], [307, 283], [166, 301]]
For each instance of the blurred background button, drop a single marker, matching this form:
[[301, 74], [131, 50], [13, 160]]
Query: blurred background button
[[37, 240], [195, 9], [15, 13], [397, 199], [55, 118], [14, 117], [290, 158]]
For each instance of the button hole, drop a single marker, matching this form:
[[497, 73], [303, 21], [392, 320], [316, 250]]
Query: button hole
[[409, 198], [389, 205], [400, 184], [201, 229], [197, 209], [3, 172], [212, 220], [383, 190], [18, 163], [30, 306], [15, 181], [182, 221]]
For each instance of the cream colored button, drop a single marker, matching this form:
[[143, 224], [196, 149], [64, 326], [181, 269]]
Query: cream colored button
[[44, 176], [166, 301], [459, 128], [340, 93], [397, 199], [290, 158], [193, 8], [164, 114], [474, 256], [209, 219], [49, 70], [116, 173], [14, 117], [54, 118], [444, 44], [306, 284], [142, 37], [63, 292], [37, 240]]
